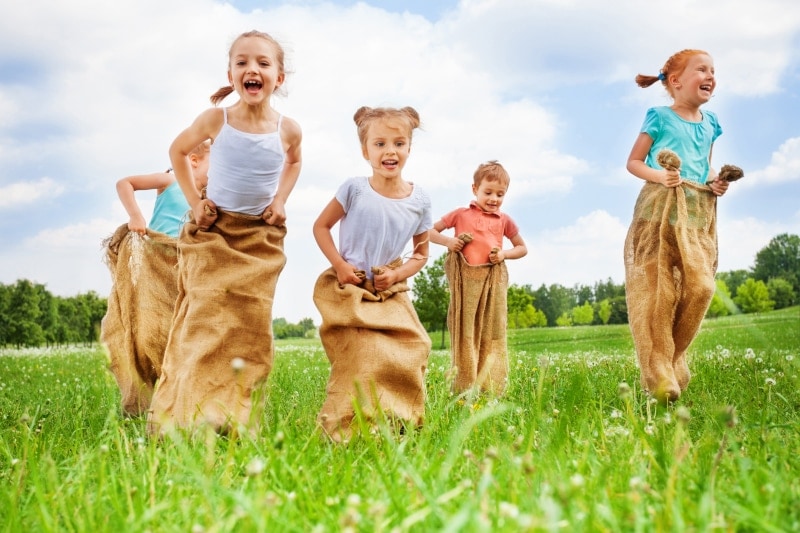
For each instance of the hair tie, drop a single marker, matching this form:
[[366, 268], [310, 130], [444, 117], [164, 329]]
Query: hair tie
[[661, 76]]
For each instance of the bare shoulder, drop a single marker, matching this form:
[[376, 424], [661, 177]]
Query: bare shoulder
[[290, 130]]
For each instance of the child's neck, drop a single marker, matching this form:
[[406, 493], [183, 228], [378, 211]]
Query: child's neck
[[394, 187], [687, 111]]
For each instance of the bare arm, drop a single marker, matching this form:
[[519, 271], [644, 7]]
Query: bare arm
[[452, 243], [331, 214], [293, 137], [718, 186], [126, 188], [519, 250], [637, 166], [206, 126]]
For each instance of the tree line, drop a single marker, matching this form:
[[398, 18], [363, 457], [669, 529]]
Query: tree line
[[31, 316], [772, 283]]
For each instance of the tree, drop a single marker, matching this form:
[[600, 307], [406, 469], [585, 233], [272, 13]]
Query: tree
[[23, 315], [733, 279], [564, 320], [554, 301], [583, 315], [781, 292], [721, 303], [432, 297], [521, 312], [604, 310], [753, 297], [780, 259]]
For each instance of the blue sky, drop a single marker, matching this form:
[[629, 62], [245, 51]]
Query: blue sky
[[93, 91]]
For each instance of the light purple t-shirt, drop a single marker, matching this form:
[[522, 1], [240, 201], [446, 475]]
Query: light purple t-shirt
[[376, 230]]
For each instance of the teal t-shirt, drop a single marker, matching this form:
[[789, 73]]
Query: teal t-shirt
[[170, 211], [692, 141]]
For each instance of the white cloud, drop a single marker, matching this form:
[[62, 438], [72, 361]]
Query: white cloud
[[18, 195], [784, 166], [587, 251]]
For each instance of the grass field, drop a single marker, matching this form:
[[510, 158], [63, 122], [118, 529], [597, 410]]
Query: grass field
[[573, 446]]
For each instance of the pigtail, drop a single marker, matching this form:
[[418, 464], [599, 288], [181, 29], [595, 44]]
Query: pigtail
[[412, 115], [645, 81], [221, 93]]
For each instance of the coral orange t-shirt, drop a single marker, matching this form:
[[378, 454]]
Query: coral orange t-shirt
[[487, 229]]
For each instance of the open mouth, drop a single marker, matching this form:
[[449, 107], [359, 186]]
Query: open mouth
[[390, 163], [706, 87], [252, 85]]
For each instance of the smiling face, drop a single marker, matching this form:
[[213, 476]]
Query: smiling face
[[489, 195], [695, 85], [386, 146], [255, 69]]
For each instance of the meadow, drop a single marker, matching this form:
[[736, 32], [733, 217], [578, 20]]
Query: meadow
[[574, 445]]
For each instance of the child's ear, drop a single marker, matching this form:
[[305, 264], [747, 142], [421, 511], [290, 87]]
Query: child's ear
[[364, 152]]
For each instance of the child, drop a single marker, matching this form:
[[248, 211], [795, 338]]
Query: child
[[671, 246], [145, 282], [376, 344], [220, 345], [171, 205], [478, 280]]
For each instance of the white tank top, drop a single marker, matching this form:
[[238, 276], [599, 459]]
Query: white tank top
[[244, 168]]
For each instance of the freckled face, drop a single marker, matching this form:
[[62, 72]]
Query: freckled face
[[697, 81]]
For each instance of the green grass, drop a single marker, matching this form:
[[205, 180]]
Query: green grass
[[564, 450]]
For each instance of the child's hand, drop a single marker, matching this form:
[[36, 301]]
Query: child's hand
[[348, 274], [275, 214], [205, 214], [455, 245], [719, 186], [385, 280], [670, 178], [138, 225], [496, 256]]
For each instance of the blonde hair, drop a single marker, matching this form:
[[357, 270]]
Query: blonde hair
[[366, 115], [491, 171], [202, 149], [675, 65], [222, 92]]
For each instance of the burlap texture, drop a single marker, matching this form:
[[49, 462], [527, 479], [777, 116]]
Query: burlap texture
[[135, 327], [378, 350], [477, 319], [220, 348], [670, 263]]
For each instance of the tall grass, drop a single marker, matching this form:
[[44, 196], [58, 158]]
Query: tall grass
[[574, 445]]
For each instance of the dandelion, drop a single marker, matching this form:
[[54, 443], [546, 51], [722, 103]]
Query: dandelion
[[197, 528], [749, 354], [508, 510], [576, 481], [237, 364], [790, 358], [683, 415], [769, 382], [255, 467], [623, 390]]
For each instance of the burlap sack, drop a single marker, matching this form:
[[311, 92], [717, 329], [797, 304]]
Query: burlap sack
[[478, 321], [134, 329], [220, 348], [670, 263], [378, 350]]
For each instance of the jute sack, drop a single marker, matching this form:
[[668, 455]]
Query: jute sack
[[135, 327], [478, 321], [670, 263], [220, 347], [378, 350]]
